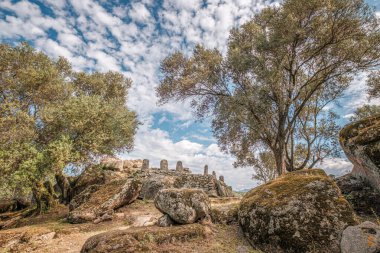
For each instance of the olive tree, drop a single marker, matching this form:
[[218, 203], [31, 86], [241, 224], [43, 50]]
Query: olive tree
[[264, 90], [52, 117]]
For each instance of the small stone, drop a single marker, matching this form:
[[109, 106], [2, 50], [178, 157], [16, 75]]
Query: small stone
[[46, 237], [214, 174], [221, 178], [165, 221]]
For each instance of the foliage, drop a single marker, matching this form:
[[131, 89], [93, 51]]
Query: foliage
[[52, 116], [265, 167], [374, 84], [281, 70], [365, 111]]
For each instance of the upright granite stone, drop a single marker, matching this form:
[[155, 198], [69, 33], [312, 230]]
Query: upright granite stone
[[361, 143], [221, 178], [164, 165], [205, 172], [145, 165], [214, 174], [179, 166]]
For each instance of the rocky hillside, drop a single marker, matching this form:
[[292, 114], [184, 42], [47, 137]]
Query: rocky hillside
[[126, 206]]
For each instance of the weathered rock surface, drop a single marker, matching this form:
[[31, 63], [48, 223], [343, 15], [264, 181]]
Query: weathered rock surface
[[97, 203], [363, 238], [184, 206], [165, 221], [301, 211], [226, 214], [362, 196], [141, 239], [361, 143], [94, 175], [157, 179]]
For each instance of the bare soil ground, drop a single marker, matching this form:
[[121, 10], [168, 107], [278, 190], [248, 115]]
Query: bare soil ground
[[50, 233]]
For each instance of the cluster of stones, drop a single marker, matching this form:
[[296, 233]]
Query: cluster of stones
[[163, 177], [179, 168]]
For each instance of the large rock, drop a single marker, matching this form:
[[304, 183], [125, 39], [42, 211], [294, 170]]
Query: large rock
[[184, 206], [361, 143], [144, 239], [98, 203], [301, 211], [93, 175], [362, 196], [364, 238], [153, 184]]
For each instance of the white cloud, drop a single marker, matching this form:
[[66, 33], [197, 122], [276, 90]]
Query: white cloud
[[129, 38], [336, 166]]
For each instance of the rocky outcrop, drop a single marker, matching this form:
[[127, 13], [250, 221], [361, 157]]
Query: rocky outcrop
[[364, 238], [364, 199], [184, 206], [153, 179], [142, 239], [301, 211], [157, 179], [97, 203], [361, 143]]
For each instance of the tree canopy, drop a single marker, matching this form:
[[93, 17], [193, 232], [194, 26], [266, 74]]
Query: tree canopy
[[52, 116], [281, 70]]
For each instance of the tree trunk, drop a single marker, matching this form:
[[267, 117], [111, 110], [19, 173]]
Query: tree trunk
[[280, 162], [43, 197]]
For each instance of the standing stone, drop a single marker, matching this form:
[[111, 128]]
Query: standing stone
[[179, 166], [221, 178], [164, 165], [205, 172], [145, 164], [214, 174]]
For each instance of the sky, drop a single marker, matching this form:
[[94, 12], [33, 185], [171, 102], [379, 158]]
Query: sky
[[133, 37]]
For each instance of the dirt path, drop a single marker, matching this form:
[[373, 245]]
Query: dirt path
[[54, 235]]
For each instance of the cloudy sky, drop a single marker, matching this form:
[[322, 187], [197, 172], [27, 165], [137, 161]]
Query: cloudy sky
[[133, 37]]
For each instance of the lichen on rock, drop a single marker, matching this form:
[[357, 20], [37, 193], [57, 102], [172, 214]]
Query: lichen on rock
[[184, 206], [361, 143], [298, 212]]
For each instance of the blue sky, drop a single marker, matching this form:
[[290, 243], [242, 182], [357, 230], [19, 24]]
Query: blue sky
[[133, 37]]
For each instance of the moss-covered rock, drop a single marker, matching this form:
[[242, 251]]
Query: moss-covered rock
[[361, 144], [98, 202], [302, 211], [225, 214], [364, 199], [141, 239]]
